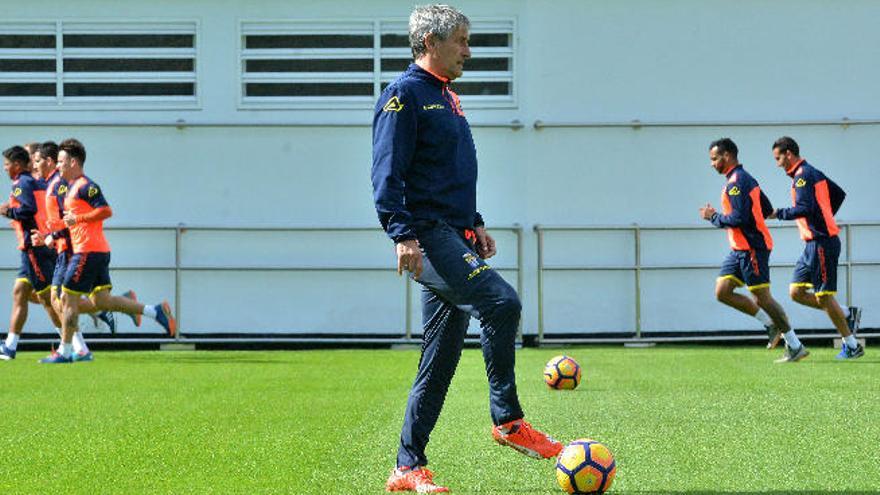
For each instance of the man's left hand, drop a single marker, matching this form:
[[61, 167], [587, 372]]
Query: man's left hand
[[485, 243]]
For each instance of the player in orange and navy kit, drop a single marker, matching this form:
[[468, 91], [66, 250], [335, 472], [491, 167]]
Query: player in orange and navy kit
[[36, 261], [88, 271], [46, 159], [59, 236], [744, 207], [815, 199]]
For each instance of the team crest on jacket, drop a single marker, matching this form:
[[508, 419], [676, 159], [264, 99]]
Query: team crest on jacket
[[393, 105], [734, 191], [800, 182], [16, 192], [93, 191]]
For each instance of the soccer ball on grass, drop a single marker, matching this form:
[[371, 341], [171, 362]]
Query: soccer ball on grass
[[562, 373], [585, 466]]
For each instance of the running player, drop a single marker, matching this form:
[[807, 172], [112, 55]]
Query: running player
[[748, 264], [815, 200], [36, 260], [59, 238], [88, 271]]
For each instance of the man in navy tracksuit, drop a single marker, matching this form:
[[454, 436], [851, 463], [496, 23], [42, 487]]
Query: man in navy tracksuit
[[424, 186], [815, 200]]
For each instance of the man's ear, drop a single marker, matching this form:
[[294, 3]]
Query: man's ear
[[430, 40]]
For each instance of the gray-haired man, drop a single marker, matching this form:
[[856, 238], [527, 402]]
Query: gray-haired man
[[424, 186]]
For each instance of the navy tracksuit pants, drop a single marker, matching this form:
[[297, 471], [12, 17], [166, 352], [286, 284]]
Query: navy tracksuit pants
[[457, 284]]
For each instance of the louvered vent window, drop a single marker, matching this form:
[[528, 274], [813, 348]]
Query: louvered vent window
[[28, 53], [73, 62], [311, 64]]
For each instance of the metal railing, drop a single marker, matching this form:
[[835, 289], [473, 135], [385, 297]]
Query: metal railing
[[637, 267], [178, 267], [636, 124]]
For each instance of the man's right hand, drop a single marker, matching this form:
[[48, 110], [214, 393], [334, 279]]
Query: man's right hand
[[706, 212], [409, 257]]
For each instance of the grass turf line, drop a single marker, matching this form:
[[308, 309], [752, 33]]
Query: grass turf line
[[678, 419]]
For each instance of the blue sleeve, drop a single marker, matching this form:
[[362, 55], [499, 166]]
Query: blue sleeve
[[766, 205], [93, 195], [27, 208], [394, 141], [803, 201], [739, 205]]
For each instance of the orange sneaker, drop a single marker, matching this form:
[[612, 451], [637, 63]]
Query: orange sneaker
[[418, 479], [520, 436]]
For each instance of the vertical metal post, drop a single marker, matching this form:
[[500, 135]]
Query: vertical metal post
[[517, 229], [540, 274], [178, 232], [849, 273], [638, 266]]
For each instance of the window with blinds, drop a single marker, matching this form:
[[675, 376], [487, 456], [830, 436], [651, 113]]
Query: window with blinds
[[28, 62], [119, 63], [312, 64]]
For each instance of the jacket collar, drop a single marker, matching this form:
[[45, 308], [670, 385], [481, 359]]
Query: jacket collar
[[421, 73], [793, 169]]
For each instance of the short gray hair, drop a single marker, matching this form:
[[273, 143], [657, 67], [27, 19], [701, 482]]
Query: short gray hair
[[439, 20]]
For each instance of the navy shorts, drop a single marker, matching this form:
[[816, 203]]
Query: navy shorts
[[37, 263], [749, 268], [87, 273], [817, 267]]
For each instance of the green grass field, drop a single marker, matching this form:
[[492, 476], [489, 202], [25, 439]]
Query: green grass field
[[679, 419]]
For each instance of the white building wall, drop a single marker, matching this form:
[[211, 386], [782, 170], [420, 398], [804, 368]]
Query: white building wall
[[749, 70]]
